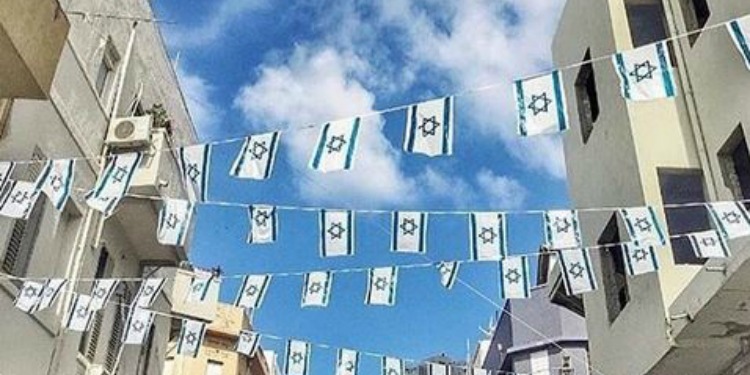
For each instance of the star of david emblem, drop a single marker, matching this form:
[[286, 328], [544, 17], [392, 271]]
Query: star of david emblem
[[297, 358], [513, 276], [138, 326], [731, 217], [487, 235], [444, 269], [393, 371], [429, 126], [562, 225], [81, 312], [336, 231], [643, 224], [251, 290], [56, 182], [576, 270], [49, 292], [121, 173], [381, 283], [258, 150], [191, 338], [315, 287], [709, 241], [261, 218], [409, 227], [100, 292], [643, 71], [172, 221], [148, 290], [20, 197], [539, 104], [193, 172], [30, 291], [336, 144], [198, 286], [245, 337], [640, 255], [349, 366]]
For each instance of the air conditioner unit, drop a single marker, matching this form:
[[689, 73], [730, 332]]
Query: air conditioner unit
[[130, 132]]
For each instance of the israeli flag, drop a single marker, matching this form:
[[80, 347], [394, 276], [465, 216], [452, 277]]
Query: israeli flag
[[540, 104], [479, 371], [643, 227], [191, 337], [297, 358], [18, 199], [263, 224], [709, 244], [514, 273], [138, 326], [148, 292], [739, 29], [381, 289], [253, 291], [200, 283], [28, 296], [78, 317], [438, 369], [448, 273], [409, 232], [393, 366], [561, 229], [6, 169], [488, 236], [101, 292], [195, 163], [336, 233], [114, 182], [645, 73], [347, 362], [639, 260], [56, 181], [255, 160], [578, 275], [730, 218], [336, 146], [248, 343], [317, 289], [51, 291], [174, 222], [429, 127]]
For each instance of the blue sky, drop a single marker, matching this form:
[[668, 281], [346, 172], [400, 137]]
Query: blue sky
[[247, 66]]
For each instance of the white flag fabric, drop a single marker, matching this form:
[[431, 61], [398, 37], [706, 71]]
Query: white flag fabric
[[101, 292], [381, 289], [448, 273], [730, 218], [347, 362], [643, 227], [248, 343], [255, 160], [561, 229], [18, 199], [739, 29], [479, 371], [578, 274], [50, 292], [429, 127], [195, 166], [409, 232], [541, 106], [78, 318], [138, 325], [114, 182], [514, 273], [297, 358], [438, 369], [200, 283], [336, 146], [709, 244], [336, 233], [488, 236], [253, 291], [174, 221], [639, 260], [148, 292], [317, 289], [393, 366], [263, 224], [28, 296], [56, 181], [6, 169], [645, 73], [191, 337]]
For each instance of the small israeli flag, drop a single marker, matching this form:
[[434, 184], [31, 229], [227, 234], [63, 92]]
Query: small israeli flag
[[347, 362], [6, 169], [253, 291], [148, 292], [381, 289], [645, 73], [200, 283], [195, 166], [739, 29], [101, 292], [114, 182], [317, 289], [730, 218], [639, 260], [248, 343], [578, 275], [514, 273], [409, 232], [488, 236], [51, 291], [429, 127], [263, 224], [561, 229], [336, 233], [709, 244], [56, 181], [18, 199], [138, 326], [393, 366], [643, 227], [438, 369], [255, 160], [28, 296], [174, 222], [540, 104], [191, 337], [297, 358], [336, 146], [78, 317], [448, 273]]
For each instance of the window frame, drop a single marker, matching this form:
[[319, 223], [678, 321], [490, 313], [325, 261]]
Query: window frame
[[587, 98]]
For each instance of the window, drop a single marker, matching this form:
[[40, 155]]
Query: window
[[115, 337], [646, 20], [695, 14], [90, 339], [539, 362], [105, 75], [571, 302], [615, 280], [683, 186], [588, 100], [214, 368], [735, 160]]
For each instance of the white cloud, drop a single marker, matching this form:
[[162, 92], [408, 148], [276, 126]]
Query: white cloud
[[501, 192], [451, 188], [223, 14], [197, 92]]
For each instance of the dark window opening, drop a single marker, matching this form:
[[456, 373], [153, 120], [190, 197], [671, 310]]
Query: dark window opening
[[647, 21], [571, 302], [107, 67], [90, 340], [735, 161], [587, 97], [695, 14], [615, 280], [679, 186]]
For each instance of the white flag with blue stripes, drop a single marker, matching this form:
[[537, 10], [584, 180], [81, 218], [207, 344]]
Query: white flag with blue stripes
[[347, 362], [138, 326], [50, 292], [18, 199], [381, 287], [56, 181], [561, 229], [297, 357], [730, 218], [336, 146], [448, 273], [247, 343], [255, 160], [253, 291], [739, 29], [6, 169], [336, 233], [409, 232], [639, 260], [148, 292], [488, 236], [195, 167], [263, 224], [643, 227], [78, 317], [174, 222], [28, 296], [392, 366], [114, 182], [317, 289], [514, 274], [646, 72], [438, 369], [200, 284], [709, 244], [578, 275], [429, 127], [101, 291], [191, 337], [540, 105]]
